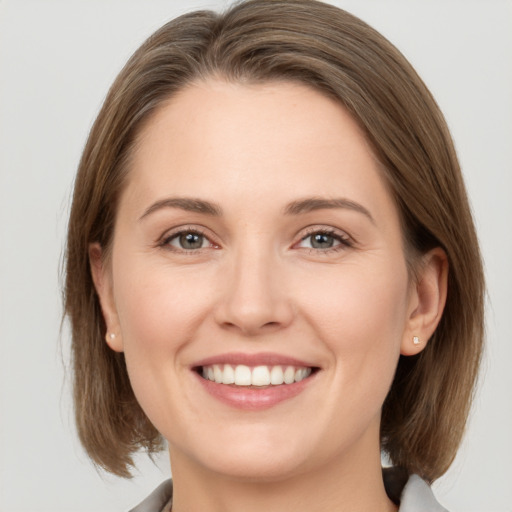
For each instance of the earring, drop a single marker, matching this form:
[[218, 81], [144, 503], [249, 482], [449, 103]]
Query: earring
[[416, 340], [110, 336]]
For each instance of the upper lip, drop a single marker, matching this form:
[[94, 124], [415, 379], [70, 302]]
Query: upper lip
[[259, 359]]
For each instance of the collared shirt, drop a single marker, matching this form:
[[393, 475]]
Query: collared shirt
[[415, 496]]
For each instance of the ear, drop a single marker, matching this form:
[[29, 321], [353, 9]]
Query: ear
[[102, 278], [427, 301]]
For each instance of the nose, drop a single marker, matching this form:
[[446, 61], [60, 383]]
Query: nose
[[254, 295]]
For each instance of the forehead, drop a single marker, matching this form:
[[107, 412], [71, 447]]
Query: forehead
[[274, 140], [215, 113]]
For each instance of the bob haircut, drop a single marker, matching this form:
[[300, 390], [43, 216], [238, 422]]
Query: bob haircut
[[331, 51]]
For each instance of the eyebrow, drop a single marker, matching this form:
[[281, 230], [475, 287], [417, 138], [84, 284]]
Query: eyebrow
[[185, 203], [318, 203], [298, 207]]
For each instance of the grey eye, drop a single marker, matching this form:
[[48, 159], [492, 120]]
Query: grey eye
[[322, 241], [191, 241], [188, 241]]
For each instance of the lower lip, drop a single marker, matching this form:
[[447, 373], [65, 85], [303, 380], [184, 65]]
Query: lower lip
[[253, 398]]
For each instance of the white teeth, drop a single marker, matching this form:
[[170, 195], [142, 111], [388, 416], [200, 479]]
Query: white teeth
[[301, 374], [229, 375], [297, 376], [276, 376], [217, 374], [260, 376], [242, 375], [289, 375]]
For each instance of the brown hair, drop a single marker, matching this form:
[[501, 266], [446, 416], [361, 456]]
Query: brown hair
[[424, 415]]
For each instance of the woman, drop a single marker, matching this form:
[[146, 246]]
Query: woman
[[272, 266]]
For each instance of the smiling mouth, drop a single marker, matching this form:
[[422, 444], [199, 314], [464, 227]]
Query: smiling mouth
[[256, 376]]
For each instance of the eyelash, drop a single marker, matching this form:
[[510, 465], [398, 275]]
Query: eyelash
[[344, 240], [165, 242]]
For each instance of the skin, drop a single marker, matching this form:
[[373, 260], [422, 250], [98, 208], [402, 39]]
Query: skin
[[257, 285]]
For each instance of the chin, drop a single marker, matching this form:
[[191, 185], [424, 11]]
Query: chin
[[251, 457], [263, 468]]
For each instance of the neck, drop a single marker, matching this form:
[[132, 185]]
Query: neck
[[354, 486]]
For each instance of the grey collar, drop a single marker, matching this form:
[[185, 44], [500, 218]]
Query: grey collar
[[417, 496]]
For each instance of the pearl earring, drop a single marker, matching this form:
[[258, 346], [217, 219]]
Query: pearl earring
[[416, 340], [110, 336]]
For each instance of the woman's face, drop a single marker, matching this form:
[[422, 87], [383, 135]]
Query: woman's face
[[256, 241]]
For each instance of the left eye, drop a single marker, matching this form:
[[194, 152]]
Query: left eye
[[188, 241], [321, 240]]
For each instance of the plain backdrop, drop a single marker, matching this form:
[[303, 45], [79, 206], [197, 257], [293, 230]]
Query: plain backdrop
[[57, 60]]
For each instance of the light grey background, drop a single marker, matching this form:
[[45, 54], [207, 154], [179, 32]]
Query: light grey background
[[57, 59]]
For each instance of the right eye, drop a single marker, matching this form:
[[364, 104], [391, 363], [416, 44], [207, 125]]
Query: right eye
[[187, 240]]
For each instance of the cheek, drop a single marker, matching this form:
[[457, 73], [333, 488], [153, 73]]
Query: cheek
[[363, 295], [361, 314], [159, 309]]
